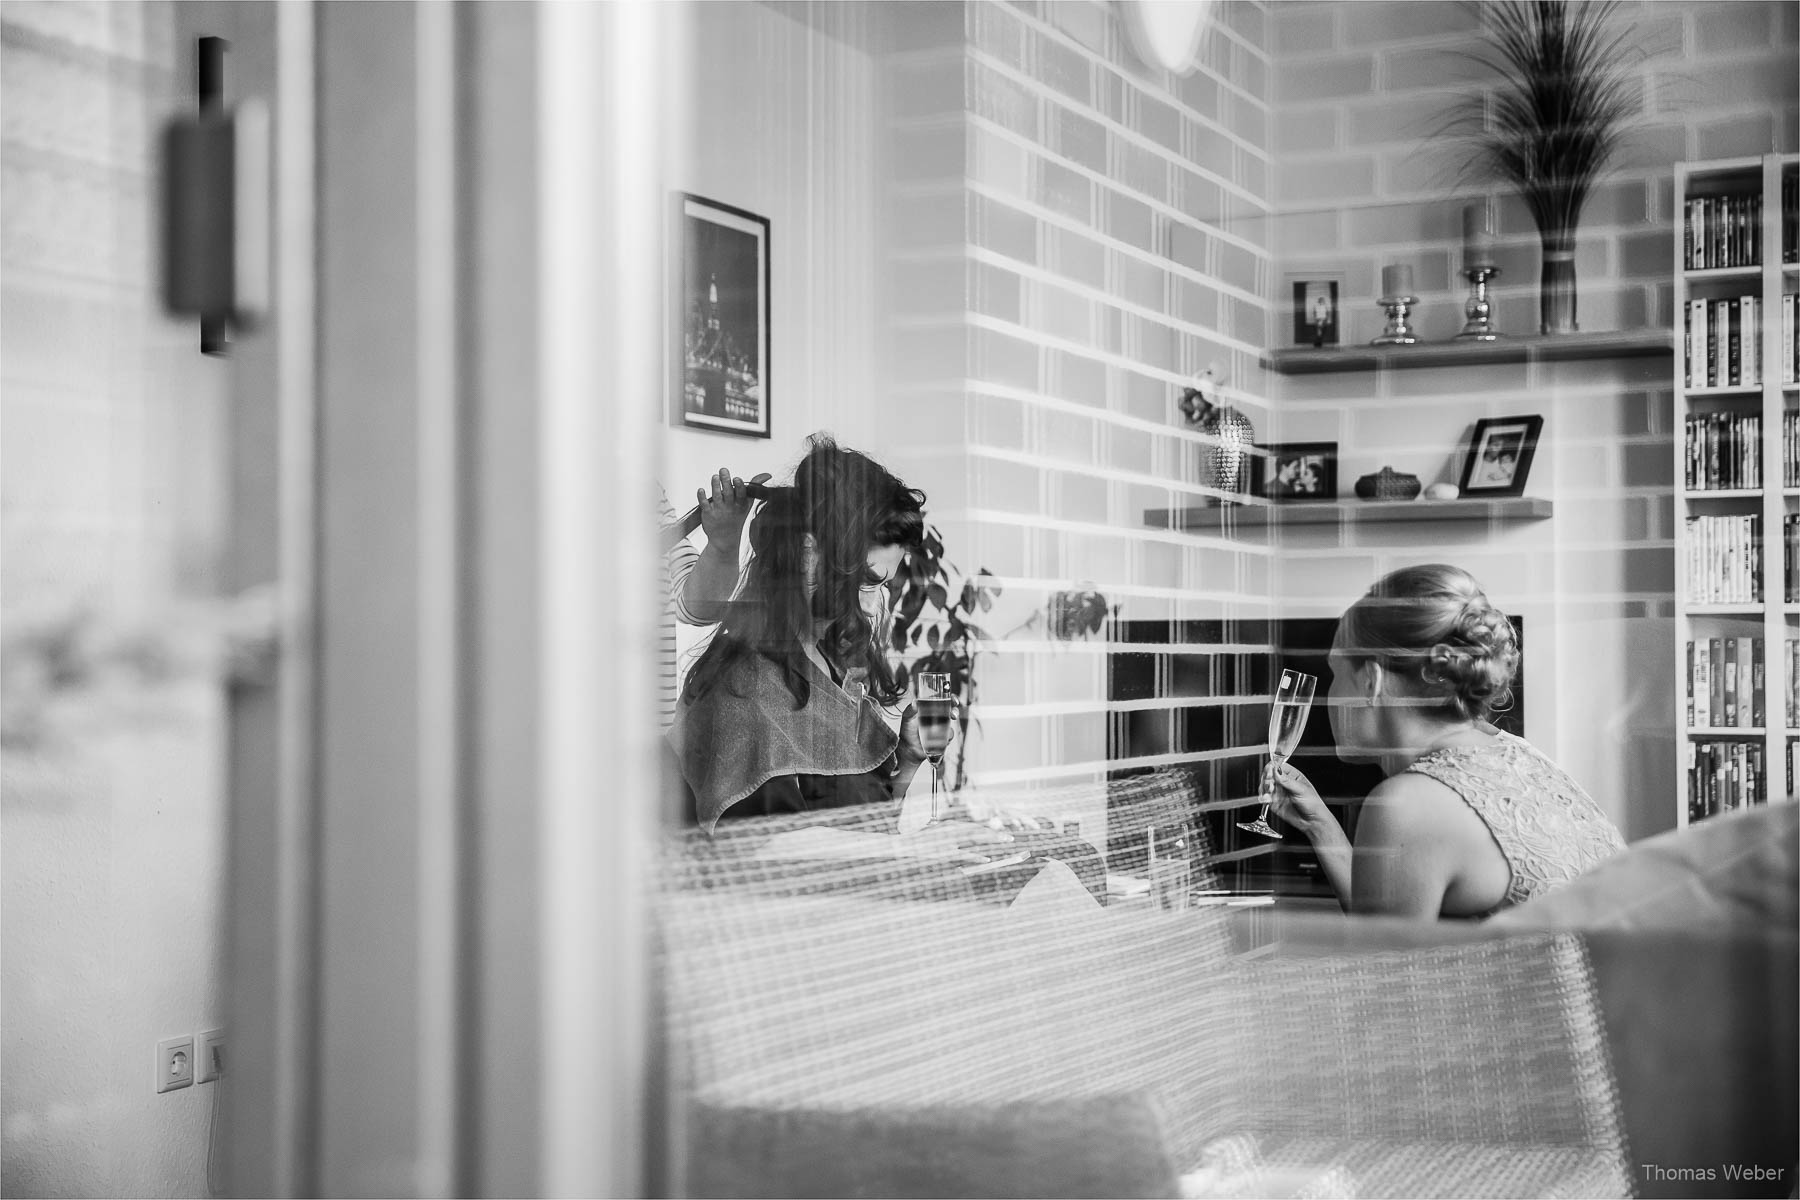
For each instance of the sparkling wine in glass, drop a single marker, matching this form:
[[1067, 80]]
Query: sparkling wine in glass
[[1287, 718], [937, 717]]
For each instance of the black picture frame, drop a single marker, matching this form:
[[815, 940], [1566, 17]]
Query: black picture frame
[[1315, 311], [1295, 472], [721, 319], [1499, 459]]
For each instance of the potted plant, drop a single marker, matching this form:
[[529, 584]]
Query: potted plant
[[1552, 125], [935, 611]]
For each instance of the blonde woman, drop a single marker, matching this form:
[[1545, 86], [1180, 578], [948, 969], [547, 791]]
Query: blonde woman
[[1470, 819]]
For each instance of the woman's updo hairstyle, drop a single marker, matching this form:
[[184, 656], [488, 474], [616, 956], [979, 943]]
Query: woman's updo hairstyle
[[1434, 627]]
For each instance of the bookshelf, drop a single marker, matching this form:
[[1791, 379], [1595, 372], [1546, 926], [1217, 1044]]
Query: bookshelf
[[1737, 485]]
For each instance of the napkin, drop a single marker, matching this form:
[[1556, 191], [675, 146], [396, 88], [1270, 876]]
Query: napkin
[[1053, 893]]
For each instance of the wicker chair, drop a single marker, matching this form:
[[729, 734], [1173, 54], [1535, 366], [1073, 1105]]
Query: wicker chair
[[836, 1044]]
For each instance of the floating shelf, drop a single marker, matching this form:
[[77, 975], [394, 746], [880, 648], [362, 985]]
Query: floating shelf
[[1637, 343], [1349, 512]]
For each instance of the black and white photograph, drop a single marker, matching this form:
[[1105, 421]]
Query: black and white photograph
[[724, 318], [1500, 454], [1315, 311], [701, 598], [1296, 471]]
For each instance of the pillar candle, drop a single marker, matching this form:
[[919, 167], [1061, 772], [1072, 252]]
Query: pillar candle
[[1397, 280], [1478, 237]]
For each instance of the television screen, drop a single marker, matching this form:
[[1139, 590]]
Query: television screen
[[1166, 669]]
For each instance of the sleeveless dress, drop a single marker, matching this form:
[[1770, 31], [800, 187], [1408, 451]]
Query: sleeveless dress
[[1547, 827]]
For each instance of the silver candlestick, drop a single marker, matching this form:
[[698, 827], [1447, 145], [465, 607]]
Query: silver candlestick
[[1479, 309], [1398, 332]]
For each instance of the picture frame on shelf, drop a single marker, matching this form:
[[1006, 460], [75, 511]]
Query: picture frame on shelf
[[1316, 308], [722, 339], [1291, 472], [1499, 458]]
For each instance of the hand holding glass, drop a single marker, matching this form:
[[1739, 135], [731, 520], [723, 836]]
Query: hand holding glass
[[937, 720], [1287, 718]]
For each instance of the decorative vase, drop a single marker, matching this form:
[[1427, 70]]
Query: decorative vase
[[1222, 466], [1387, 484], [1556, 289]]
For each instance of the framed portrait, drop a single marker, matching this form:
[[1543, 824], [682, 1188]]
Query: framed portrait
[[1500, 456], [1315, 311], [722, 367], [1295, 471]]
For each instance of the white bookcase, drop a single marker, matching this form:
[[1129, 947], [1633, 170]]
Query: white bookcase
[[1748, 476]]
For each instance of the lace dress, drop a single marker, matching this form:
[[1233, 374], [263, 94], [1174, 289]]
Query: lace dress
[[1549, 829]]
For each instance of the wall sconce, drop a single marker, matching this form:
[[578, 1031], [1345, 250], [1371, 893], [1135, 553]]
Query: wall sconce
[[1167, 33]]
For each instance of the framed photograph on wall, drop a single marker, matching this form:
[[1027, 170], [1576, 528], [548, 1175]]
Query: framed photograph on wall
[[1500, 456], [723, 288], [1315, 310], [1295, 471]]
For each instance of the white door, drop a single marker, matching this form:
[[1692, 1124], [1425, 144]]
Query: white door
[[442, 793]]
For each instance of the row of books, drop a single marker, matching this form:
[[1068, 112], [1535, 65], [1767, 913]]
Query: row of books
[[1790, 217], [1723, 231], [1722, 342], [1725, 683], [1724, 451], [1724, 558], [1790, 543], [1725, 775], [1790, 449], [1790, 666]]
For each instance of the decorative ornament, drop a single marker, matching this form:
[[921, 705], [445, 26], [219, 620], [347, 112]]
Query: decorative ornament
[[1387, 484], [1222, 464]]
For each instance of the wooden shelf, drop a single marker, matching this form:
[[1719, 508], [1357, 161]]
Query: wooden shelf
[[1637, 343], [1348, 512]]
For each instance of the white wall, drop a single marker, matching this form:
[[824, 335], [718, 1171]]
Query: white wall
[[779, 120], [112, 826]]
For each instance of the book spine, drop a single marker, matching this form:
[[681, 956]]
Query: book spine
[[1758, 715], [1744, 341], [1697, 342], [1690, 684], [1718, 345], [1730, 688], [1717, 703], [1703, 686], [1787, 337]]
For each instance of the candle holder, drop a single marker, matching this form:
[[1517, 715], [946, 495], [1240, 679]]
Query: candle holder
[[1398, 332], [1479, 309]]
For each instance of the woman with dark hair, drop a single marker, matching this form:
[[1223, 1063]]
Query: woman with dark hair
[[782, 712], [1470, 819]]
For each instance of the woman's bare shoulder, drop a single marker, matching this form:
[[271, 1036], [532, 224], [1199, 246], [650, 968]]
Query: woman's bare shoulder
[[1416, 808]]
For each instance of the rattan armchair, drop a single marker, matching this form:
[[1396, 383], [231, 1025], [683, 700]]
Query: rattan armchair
[[837, 1044]]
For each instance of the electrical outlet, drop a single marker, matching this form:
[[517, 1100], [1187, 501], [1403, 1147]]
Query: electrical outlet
[[174, 1063], [209, 1055]]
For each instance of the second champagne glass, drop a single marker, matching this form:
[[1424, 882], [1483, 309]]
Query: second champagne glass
[[937, 713], [1287, 718]]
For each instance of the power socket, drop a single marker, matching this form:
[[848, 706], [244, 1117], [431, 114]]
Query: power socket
[[209, 1055], [174, 1063]]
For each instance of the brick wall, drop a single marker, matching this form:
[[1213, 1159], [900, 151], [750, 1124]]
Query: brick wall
[[1360, 182], [1072, 236]]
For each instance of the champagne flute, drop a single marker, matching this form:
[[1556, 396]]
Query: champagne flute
[[1287, 718], [937, 712]]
